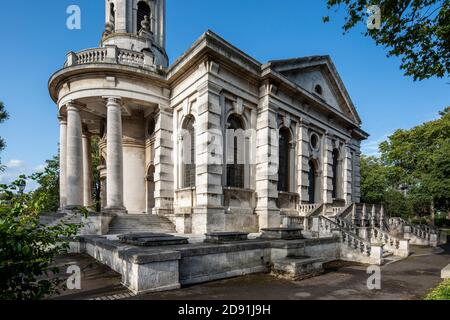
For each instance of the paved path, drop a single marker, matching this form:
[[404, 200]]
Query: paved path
[[411, 278]]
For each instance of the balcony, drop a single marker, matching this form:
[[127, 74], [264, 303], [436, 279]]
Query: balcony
[[111, 55]]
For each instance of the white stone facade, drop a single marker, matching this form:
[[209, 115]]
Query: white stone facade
[[166, 146]]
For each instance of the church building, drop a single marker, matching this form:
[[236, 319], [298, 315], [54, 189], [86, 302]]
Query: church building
[[213, 141]]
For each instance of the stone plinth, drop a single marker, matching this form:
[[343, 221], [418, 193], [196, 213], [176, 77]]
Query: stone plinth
[[224, 237], [445, 273], [152, 239], [282, 233]]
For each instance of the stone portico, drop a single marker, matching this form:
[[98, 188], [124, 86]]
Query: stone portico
[[217, 141]]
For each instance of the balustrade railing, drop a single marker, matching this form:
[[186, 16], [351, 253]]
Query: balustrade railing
[[385, 238], [91, 56], [110, 54], [349, 238], [305, 209]]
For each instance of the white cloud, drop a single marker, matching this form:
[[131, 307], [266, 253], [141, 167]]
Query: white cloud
[[371, 146], [16, 168], [16, 164]]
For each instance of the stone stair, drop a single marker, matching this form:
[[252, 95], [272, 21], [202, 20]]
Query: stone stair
[[297, 268], [141, 223]]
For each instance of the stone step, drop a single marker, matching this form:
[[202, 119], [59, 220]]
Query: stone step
[[141, 223], [298, 268]]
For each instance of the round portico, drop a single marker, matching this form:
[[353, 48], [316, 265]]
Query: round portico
[[118, 105]]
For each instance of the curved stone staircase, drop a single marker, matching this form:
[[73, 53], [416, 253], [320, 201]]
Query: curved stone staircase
[[141, 223]]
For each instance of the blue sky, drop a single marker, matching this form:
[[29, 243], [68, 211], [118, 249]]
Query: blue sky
[[35, 41]]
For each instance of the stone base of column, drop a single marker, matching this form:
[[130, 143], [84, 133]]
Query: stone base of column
[[119, 211], [208, 219], [162, 212], [269, 218], [71, 209]]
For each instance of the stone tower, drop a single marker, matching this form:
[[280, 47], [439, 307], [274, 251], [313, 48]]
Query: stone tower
[[137, 25]]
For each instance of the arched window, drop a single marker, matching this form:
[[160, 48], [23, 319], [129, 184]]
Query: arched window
[[336, 174], [284, 161], [235, 169], [318, 89], [189, 153], [112, 13], [312, 177], [143, 10]]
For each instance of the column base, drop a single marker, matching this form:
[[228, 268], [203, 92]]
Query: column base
[[120, 211], [70, 209]]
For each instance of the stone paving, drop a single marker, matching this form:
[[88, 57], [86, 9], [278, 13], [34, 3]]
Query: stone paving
[[406, 279]]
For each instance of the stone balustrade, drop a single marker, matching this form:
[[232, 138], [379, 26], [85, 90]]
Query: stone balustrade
[[345, 224], [305, 209], [399, 247], [353, 248], [112, 55]]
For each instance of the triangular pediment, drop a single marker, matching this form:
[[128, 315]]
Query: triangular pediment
[[319, 76]]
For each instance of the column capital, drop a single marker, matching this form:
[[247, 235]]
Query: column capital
[[62, 120], [86, 135], [113, 100], [73, 106]]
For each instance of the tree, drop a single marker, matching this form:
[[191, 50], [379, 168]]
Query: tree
[[374, 180], [46, 197], [379, 185], [95, 151], [3, 117], [421, 155], [417, 31], [27, 248]]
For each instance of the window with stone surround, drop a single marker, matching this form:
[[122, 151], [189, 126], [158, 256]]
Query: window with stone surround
[[235, 169], [143, 10], [189, 141], [284, 162]]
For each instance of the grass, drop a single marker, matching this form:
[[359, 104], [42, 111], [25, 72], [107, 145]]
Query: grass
[[442, 292]]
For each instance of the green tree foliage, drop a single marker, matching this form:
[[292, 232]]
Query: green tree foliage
[[379, 186], [3, 117], [27, 248], [418, 159], [416, 31], [46, 196], [96, 162], [421, 155]]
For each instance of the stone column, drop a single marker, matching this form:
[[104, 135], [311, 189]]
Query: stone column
[[164, 168], [348, 174], [87, 171], [267, 162], [209, 213], [74, 178], [114, 157], [328, 171], [62, 162], [357, 177], [303, 161]]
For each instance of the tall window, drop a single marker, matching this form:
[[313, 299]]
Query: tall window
[[189, 153], [235, 170], [336, 173], [142, 11], [284, 161], [112, 13], [312, 175]]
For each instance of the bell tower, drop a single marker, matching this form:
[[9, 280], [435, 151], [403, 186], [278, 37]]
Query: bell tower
[[137, 25]]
